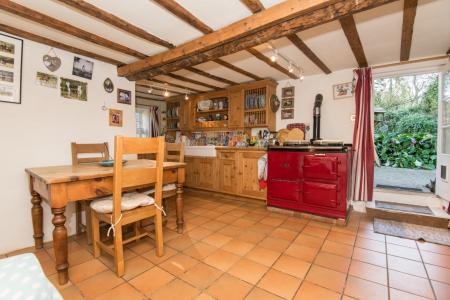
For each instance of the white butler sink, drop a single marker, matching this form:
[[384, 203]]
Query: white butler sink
[[209, 151]]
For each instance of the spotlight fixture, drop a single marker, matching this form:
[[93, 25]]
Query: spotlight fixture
[[274, 56], [166, 93], [150, 90], [290, 67], [186, 97]]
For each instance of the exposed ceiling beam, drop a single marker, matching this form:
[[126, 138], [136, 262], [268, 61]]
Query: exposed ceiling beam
[[53, 23], [156, 88], [182, 78], [210, 76], [115, 21], [349, 27], [236, 69], [409, 14], [271, 63], [53, 43], [308, 52], [150, 98], [184, 15], [256, 6], [176, 85], [280, 20]]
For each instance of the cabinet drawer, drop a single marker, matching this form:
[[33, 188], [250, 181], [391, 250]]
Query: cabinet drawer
[[227, 155], [284, 165], [320, 166], [284, 189], [320, 194]]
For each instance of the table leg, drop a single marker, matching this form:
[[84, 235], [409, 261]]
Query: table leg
[[180, 205], [60, 244], [36, 215]]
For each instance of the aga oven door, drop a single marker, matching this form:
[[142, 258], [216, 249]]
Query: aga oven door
[[320, 194], [320, 166]]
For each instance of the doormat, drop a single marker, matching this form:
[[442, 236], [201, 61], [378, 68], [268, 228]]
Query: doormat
[[412, 231], [416, 209], [399, 188]]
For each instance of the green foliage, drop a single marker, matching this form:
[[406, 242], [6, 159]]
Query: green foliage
[[405, 150]]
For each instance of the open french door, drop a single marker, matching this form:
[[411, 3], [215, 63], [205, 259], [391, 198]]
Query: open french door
[[443, 141]]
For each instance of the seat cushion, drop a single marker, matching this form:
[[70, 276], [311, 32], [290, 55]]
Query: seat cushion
[[21, 277], [166, 188], [129, 201]]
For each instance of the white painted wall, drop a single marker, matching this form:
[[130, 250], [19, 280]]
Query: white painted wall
[[39, 131], [335, 114]]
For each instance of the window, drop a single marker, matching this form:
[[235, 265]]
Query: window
[[446, 113], [142, 122]]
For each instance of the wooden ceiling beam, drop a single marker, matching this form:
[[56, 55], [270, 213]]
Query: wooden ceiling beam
[[308, 52], [236, 69], [271, 63], [115, 21], [43, 40], [409, 15], [184, 15], [53, 23], [280, 20], [182, 78], [256, 6], [176, 85], [210, 76], [350, 31]]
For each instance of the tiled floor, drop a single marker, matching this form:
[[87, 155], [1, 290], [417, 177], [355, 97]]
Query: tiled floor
[[234, 249]]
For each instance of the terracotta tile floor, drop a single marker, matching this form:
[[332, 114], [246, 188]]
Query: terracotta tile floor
[[234, 249]]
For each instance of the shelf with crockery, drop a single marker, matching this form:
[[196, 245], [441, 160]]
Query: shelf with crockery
[[211, 113], [173, 116], [255, 107]]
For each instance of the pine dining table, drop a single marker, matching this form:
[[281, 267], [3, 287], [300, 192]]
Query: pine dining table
[[59, 185]]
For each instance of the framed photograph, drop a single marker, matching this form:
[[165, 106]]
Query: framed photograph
[[123, 96], [115, 117], [108, 85], [73, 89], [287, 103], [288, 92], [46, 80], [82, 67], [10, 69], [343, 90], [287, 114]]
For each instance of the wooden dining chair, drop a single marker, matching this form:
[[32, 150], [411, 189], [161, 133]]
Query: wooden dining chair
[[83, 153], [121, 208]]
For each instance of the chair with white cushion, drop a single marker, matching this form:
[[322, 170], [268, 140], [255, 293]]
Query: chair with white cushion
[[121, 208]]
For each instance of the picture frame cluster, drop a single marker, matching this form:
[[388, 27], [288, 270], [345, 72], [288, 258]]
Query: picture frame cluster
[[287, 102]]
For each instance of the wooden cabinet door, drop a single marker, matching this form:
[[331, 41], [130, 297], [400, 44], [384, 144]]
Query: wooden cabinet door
[[207, 173], [227, 175], [235, 109], [248, 172], [191, 169], [186, 115]]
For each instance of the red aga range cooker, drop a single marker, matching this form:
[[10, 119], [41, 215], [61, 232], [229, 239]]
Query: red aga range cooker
[[313, 178]]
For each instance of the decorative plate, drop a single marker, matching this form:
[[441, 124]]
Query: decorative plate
[[274, 103], [108, 85]]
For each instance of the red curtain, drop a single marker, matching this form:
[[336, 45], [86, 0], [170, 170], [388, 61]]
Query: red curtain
[[363, 146]]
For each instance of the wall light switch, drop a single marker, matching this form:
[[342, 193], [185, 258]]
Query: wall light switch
[[353, 118]]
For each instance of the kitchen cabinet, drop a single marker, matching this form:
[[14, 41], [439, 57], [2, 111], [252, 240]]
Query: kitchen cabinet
[[227, 172], [191, 170], [186, 115], [236, 112], [248, 172], [207, 173]]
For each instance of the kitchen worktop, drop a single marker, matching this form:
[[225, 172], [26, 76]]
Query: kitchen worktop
[[211, 150]]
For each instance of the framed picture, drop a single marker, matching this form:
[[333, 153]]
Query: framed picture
[[343, 90], [123, 96], [10, 69], [82, 67], [73, 89], [115, 117], [288, 92], [287, 114], [287, 103], [46, 80], [108, 85]]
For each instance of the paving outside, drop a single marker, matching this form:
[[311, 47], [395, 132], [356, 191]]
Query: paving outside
[[405, 178]]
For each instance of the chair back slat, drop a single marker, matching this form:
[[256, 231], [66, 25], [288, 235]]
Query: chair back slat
[[77, 149], [124, 177], [174, 152]]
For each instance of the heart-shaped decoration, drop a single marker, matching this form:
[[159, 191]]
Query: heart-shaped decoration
[[51, 62]]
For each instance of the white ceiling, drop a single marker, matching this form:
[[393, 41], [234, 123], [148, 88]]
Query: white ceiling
[[379, 30]]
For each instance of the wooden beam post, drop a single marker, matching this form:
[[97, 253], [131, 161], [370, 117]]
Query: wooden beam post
[[409, 15], [210, 76], [349, 27], [183, 78], [175, 85], [236, 69]]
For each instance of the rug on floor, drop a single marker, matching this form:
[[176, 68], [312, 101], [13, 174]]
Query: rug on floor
[[417, 209], [412, 231]]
